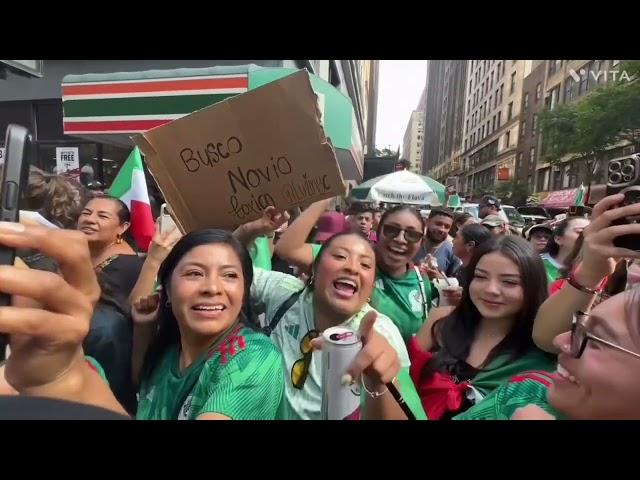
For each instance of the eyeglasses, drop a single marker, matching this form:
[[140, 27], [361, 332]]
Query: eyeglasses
[[580, 336], [300, 369], [411, 236]]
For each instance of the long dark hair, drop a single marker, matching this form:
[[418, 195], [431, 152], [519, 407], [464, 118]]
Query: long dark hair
[[459, 219], [168, 332], [454, 335], [558, 231]]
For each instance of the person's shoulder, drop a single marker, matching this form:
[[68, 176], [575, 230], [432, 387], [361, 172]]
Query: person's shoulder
[[284, 281], [383, 324], [129, 260]]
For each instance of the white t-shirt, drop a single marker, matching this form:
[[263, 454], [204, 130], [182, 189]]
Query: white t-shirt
[[270, 290]]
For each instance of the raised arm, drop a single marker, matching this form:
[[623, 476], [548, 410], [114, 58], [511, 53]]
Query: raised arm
[[161, 245], [292, 246], [599, 259]]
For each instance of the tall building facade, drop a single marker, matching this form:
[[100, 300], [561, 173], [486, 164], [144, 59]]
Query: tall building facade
[[492, 110], [412, 144], [567, 81], [433, 113]]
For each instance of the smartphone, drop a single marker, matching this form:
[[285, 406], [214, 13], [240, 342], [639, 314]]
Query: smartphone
[[166, 222], [14, 178], [623, 176]]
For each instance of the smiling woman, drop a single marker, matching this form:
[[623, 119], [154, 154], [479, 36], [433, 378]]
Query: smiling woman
[[205, 362], [463, 354], [596, 377], [104, 221], [336, 294]]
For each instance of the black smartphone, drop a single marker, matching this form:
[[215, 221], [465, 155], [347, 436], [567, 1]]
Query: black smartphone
[[623, 176], [14, 176]]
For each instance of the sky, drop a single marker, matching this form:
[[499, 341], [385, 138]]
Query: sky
[[400, 85]]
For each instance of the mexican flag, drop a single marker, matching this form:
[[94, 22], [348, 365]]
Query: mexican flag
[[130, 186], [580, 196]]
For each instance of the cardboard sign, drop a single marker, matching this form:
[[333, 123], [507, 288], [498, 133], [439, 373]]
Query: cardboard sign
[[223, 165]]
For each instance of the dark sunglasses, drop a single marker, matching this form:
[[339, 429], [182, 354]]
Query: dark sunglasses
[[411, 236]]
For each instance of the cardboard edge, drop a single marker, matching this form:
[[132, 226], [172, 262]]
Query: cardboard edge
[[149, 152]]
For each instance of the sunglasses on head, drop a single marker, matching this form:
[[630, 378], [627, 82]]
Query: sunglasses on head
[[411, 236]]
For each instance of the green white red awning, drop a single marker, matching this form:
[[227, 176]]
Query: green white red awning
[[118, 105]]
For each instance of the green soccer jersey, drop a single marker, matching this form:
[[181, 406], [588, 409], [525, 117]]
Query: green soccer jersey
[[527, 388], [260, 253], [242, 378], [402, 301]]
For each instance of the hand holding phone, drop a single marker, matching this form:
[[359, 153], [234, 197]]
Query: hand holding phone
[[623, 176], [167, 223], [14, 178]]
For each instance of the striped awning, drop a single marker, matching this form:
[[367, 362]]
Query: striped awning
[[111, 107], [139, 101]]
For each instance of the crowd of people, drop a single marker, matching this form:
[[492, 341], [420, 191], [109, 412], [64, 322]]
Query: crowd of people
[[466, 319]]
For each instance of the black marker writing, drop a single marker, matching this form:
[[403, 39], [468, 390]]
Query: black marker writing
[[255, 205], [213, 153], [253, 177], [296, 192]]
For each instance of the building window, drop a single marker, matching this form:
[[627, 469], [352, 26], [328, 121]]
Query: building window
[[519, 164], [523, 128], [538, 91], [507, 139], [569, 90], [499, 67], [493, 124], [583, 86], [510, 111], [499, 119], [555, 97], [555, 66], [532, 155], [534, 126], [501, 92], [526, 100], [513, 83]]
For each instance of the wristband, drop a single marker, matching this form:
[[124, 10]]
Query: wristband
[[574, 283]]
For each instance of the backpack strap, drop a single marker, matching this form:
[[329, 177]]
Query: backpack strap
[[282, 309]]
